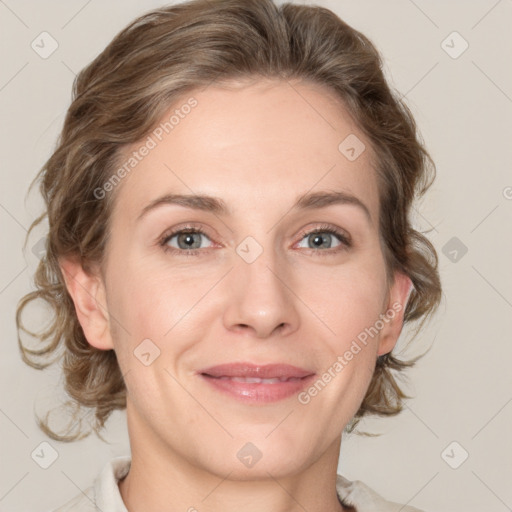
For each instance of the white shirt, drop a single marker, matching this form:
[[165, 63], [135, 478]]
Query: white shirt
[[104, 494]]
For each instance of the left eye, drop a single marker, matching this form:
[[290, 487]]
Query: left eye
[[324, 236]]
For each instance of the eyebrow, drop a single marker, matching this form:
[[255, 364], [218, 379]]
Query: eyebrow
[[216, 205]]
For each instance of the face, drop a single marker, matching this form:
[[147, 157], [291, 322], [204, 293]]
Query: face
[[203, 302]]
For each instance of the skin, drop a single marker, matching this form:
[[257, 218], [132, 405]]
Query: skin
[[258, 146]]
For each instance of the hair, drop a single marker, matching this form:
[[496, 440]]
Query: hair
[[122, 94]]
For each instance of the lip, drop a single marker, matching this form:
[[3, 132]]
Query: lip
[[258, 384]]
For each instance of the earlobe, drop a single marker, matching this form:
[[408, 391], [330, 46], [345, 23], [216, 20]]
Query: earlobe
[[88, 293], [398, 298]]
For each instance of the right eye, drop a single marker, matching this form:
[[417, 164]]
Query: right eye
[[188, 241]]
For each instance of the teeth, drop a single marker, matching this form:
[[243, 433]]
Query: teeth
[[256, 380]]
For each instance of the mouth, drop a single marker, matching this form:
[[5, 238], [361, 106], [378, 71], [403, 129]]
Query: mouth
[[257, 384]]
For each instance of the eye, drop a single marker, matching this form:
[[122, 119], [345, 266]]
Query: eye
[[326, 235], [188, 241]]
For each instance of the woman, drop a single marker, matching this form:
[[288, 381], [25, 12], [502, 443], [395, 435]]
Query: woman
[[230, 255]]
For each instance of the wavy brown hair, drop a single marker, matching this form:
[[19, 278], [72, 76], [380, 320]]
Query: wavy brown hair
[[123, 93]]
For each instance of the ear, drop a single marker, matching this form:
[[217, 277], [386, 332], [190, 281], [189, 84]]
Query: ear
[[393, 316], [88, 293]]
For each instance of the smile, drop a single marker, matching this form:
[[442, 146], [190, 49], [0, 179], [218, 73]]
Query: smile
[[257, 384]]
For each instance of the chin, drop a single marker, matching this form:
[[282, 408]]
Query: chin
[[257, 457]]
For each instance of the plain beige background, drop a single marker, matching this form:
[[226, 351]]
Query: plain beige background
[[462, 388]]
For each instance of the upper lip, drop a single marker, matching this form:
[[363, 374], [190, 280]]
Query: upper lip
[[262, 371]]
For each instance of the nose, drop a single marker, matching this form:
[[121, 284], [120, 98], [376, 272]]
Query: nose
[[261, 299]]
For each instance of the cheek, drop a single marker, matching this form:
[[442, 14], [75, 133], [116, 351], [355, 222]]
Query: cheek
[[351, 310], [349, 299], [155, 304]]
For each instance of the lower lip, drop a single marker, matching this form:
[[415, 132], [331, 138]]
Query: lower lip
[[258, 392]]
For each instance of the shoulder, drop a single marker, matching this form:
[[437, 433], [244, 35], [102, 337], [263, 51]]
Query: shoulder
[[103, 495], [364, 499]]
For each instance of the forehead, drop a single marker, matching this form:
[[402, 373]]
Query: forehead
[[257, 144]]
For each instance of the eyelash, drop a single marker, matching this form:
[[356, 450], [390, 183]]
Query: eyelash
[[342, 237]]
